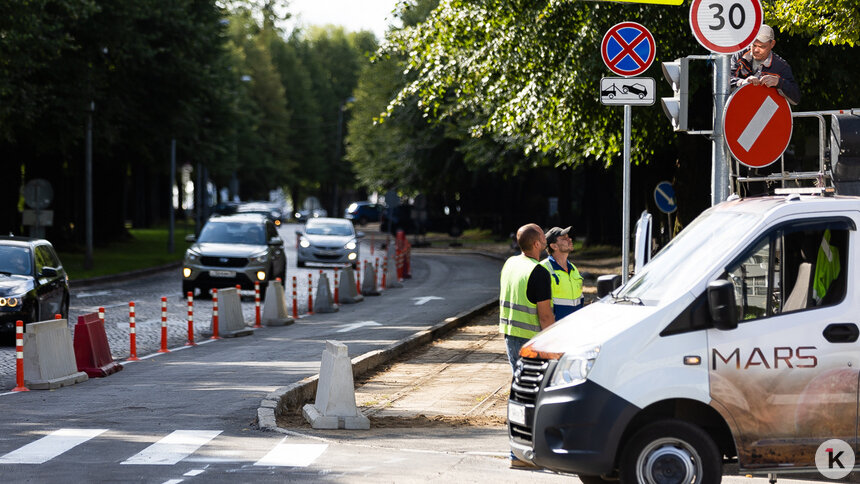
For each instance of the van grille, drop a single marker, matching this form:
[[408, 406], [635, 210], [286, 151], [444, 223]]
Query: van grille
[[528, 380]]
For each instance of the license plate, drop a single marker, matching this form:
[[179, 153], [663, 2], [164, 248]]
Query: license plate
[[222, 273], [516, 413], [327, 252]]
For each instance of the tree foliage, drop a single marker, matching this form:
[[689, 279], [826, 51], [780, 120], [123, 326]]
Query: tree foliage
[[833, 22]]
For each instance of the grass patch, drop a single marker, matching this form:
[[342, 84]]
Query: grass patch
[[146, 248]]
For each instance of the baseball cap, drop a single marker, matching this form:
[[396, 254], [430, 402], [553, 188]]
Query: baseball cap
[[765, 33], [554, 233]]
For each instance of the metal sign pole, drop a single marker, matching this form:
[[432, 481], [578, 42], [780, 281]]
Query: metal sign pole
[[719, 150], [625, 218]]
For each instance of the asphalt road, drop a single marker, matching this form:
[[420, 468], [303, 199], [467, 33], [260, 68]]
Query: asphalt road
[[190, 414]]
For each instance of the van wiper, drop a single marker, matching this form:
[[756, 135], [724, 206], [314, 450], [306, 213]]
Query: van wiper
[[626, 300]]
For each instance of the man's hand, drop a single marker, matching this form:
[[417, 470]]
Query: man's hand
[[769, 80]]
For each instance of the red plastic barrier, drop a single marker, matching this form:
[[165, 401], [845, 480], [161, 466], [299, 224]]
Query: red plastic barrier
[[215, 314], [310, 293], [257, 323], [336, 292], [295, 300], [92, 350]]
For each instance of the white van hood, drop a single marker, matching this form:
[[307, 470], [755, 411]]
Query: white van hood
[[592, 325]]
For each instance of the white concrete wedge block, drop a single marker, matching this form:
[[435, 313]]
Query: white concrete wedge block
[[347, 293], [275, 307], [334, 407], [323, 302], [391, 272], [368, 281], [231, 321], [49, 356]]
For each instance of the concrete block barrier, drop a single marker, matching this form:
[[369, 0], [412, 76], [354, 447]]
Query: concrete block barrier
[[347, 294], [92, 350], [231, 322], [368, 281], [49, 359], [323, 302], [391, 279], [275, 306], [334, 406]]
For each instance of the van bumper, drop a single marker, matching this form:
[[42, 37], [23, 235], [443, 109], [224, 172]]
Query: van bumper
[[576, 429]]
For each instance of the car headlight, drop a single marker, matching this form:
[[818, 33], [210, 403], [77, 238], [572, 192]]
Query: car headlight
[[573, 368], [304, 243], [350, 245], [10, 302], [260, 258], [191, 256]]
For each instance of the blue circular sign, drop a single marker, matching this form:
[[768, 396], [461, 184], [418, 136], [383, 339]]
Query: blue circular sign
[[628, 49], [664, 197]]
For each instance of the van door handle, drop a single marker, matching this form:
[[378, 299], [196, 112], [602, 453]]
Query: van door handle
[[841, 333]]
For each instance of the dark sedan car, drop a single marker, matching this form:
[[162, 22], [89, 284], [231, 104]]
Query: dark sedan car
[[33, 283]]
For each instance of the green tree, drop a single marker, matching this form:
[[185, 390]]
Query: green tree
[[832, 22]]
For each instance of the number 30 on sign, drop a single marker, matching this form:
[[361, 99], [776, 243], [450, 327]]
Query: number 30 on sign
[[725, 26]]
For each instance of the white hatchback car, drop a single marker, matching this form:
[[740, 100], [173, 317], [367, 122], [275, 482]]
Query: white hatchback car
[[328, 241]]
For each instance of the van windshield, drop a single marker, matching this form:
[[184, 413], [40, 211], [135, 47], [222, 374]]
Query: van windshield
[[697, 248]]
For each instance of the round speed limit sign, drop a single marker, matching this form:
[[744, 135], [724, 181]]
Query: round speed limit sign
[[725, 26]]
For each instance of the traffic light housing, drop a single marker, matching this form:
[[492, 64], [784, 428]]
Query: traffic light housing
[[675, 107]]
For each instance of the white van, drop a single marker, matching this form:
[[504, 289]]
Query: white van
[[722, 348]]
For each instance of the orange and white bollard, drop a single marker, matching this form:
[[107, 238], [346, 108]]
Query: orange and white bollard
[[295, 300], [310, 293], [399, 258], [358, 278], [336, 292], [257, 323], [371, 245], [376, 275], [19, 358], [384, 272], [58, 316], [190, 341], [164, 326], [102, 315], [132, 332], [215, 314]]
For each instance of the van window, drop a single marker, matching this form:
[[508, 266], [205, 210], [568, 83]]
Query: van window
[[793, 268]]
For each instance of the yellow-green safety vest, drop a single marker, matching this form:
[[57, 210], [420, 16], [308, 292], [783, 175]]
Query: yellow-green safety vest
[[517, 315], [566, 287], [826, 268]]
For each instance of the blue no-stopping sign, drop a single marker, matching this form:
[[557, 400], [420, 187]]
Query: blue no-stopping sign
[[628, 49]]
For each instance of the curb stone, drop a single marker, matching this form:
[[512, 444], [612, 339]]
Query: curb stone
[[300, 392]]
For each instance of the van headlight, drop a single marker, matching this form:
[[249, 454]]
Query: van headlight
[[305, 243], [573, 368], [191, 256], [350, 245], [260, 258]]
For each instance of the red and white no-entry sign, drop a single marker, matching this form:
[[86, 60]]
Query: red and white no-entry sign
[[757, 125]]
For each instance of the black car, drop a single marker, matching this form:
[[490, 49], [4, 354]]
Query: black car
[[33, 283]]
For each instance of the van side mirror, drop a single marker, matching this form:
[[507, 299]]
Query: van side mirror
[[276, 241], [191, 238], [721, 305], [607, 284], [359, 235]]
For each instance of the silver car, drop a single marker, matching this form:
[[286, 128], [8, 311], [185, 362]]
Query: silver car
[[328, 241], [234, 250]]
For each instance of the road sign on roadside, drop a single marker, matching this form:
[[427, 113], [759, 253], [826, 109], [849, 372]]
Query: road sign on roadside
[[664, 197], [628, 49], [635, 91], [725, 26], [757, 125]]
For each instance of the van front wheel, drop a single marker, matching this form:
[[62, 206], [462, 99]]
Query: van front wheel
[[671, 451]]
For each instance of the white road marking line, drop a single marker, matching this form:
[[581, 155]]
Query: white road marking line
[[757, 124], [292, 455], [50, 446], [194, 472], [173, 481], [173, 448]]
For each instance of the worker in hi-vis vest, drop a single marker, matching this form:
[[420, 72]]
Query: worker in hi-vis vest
[[525, 306], [524, 300], [826, 268], [565, 281]]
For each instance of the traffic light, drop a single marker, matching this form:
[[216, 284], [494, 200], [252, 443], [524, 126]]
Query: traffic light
[[675, 107]]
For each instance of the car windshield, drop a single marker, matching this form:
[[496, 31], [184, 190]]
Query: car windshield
[[324, 228], [233, 233], [680, 264], [15, 260]]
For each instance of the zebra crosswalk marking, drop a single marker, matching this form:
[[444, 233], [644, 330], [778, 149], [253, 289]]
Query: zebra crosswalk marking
[[173, 448], [50, 446], [292, 455]]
